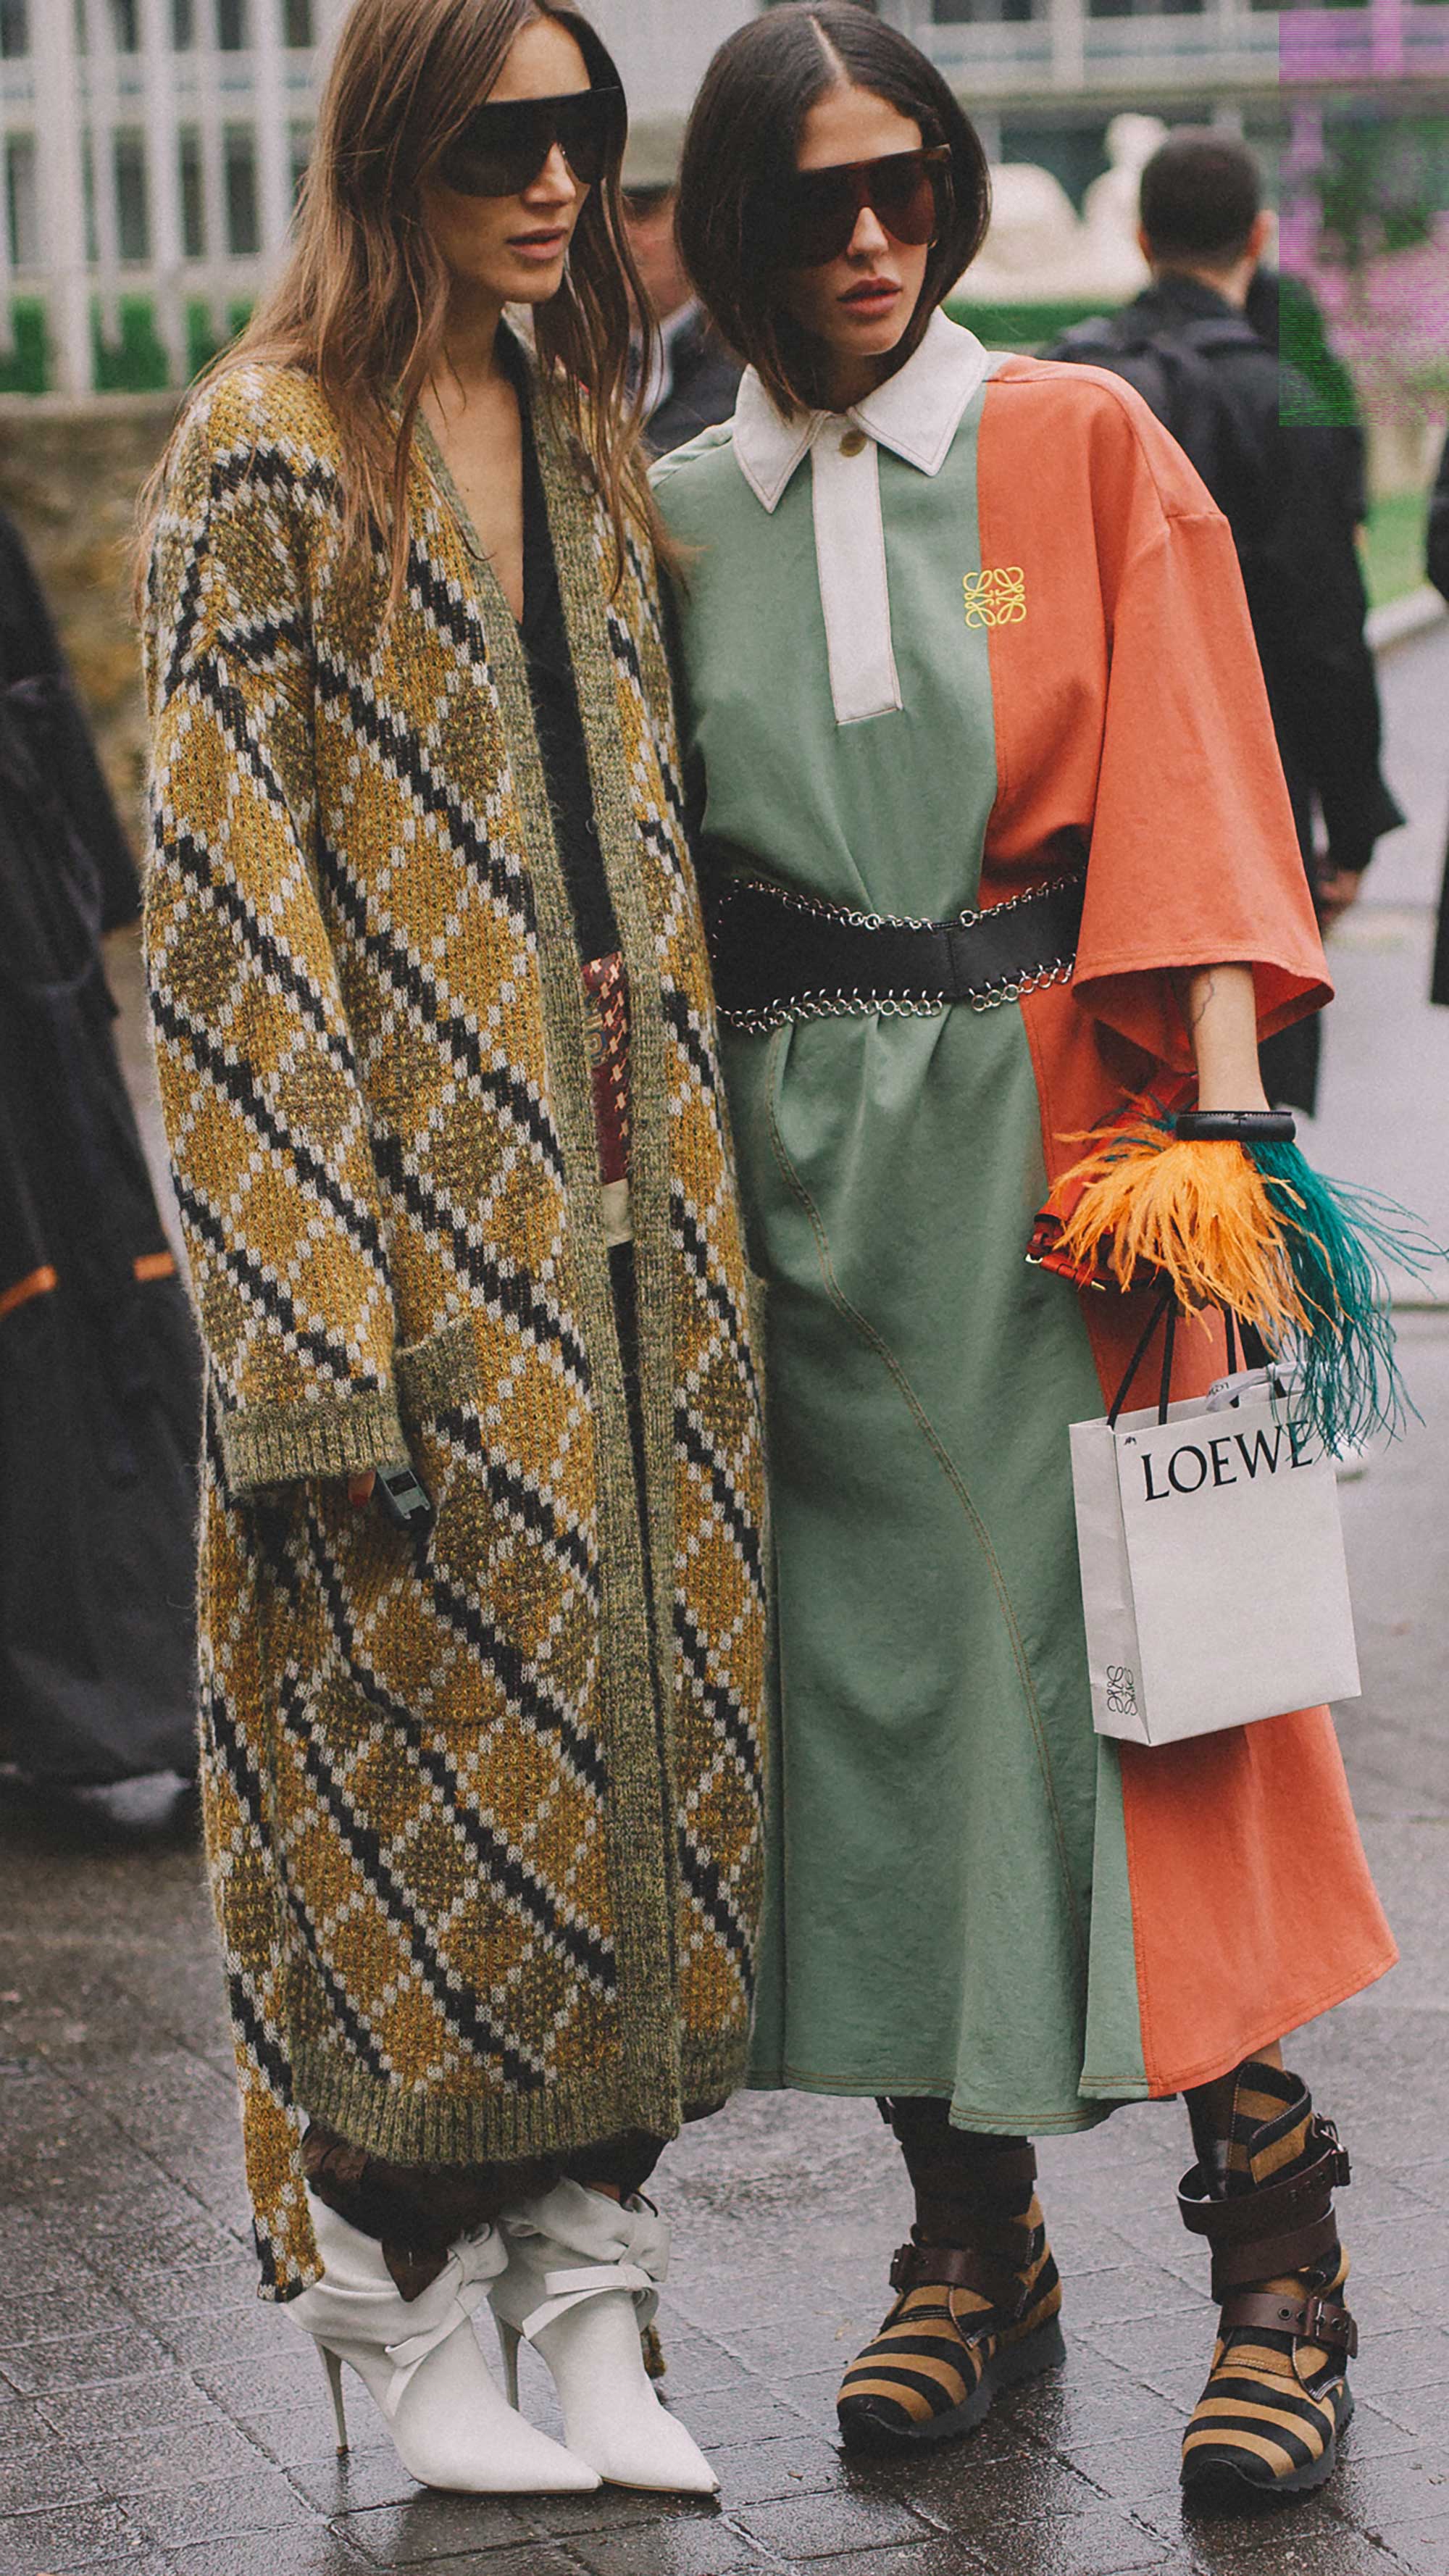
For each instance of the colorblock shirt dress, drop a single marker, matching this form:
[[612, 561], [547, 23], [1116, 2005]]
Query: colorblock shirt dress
[[936, 651]]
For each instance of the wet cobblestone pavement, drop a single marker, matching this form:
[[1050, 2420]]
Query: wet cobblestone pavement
[[154, 2415]]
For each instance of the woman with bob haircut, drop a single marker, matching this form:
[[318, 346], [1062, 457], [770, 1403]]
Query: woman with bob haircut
[[995, 840], [482, 1641]]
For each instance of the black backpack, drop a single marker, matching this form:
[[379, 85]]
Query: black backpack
[[1192, 397]]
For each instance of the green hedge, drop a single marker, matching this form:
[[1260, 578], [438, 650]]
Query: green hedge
[[135, 363], [25, 372], [1394, 543], [1025, 325]]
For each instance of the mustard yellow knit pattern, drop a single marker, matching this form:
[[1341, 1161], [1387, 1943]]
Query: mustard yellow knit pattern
[[483, 1815]]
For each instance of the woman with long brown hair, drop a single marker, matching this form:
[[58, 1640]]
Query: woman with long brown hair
[[482, 1619]]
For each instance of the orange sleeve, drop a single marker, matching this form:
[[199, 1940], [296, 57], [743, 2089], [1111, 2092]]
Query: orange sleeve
[[1130, 710], [1194, 858]]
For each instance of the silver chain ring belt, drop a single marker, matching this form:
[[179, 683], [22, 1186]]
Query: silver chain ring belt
[[782, 956]]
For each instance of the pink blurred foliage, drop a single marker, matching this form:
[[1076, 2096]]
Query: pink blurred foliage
[[1388, 319]]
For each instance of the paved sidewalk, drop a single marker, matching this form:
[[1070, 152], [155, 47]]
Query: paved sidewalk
[[153, 2415]]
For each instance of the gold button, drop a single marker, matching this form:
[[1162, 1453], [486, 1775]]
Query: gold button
[[853, 442]]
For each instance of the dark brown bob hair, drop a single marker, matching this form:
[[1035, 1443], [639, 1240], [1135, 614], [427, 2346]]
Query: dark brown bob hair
[[361, 302], [740, 151]]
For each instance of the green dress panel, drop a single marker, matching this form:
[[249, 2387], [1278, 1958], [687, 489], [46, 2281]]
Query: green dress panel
[[949, 1909]]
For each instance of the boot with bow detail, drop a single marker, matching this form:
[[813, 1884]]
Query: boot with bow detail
[[582, 2285], [977, 2291], [419, 2361], [1267, 2424]]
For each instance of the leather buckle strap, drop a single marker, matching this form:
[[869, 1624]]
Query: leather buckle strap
[[1314, 2319], [780, 956], [960, 2267], [1268, 2207], [1266, 2258], [1275, 2227]]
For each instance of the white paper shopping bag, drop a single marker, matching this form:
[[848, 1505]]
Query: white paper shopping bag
[[1213, 1579]]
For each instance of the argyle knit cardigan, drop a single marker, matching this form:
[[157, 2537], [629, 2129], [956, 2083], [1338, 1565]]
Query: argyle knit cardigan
[[483, 1815]]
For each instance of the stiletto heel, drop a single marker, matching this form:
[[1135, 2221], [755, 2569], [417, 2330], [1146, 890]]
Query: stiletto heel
[[420, 2363], [580, 2284], [509, 2339], [332, 2364]]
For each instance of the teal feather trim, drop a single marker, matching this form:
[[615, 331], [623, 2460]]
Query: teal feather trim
[[1340, 1242]]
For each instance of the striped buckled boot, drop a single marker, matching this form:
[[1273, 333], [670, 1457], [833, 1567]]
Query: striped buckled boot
[[1277, 2396], [977, 2291]]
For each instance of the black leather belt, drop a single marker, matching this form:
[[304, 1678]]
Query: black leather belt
[[781, 956]]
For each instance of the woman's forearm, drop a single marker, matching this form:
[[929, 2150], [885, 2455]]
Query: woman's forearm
[[1222, 1022]]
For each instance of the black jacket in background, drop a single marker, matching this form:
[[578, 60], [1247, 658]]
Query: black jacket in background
[[1291, 501], [704, 381], [100, 1398], [1318, 389], [30, 650]]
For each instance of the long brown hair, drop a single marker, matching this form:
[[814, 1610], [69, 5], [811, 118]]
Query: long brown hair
[[362, 301]]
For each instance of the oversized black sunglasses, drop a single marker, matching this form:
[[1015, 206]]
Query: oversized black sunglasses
[[909, 191], [505, 143]]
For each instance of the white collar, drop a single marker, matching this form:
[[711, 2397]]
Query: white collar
[[915, 413]]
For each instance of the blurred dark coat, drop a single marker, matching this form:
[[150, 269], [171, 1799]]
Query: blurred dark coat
[[99, 1375], [701, 387], [1319, 392]]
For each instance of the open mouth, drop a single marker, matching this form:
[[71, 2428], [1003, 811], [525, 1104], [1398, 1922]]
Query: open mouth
[[540, 243], [872, 295]]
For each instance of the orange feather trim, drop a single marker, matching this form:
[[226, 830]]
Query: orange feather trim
[[1199, 1214]]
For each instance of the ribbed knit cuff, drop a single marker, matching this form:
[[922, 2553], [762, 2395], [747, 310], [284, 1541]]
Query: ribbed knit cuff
[[277, 1444]]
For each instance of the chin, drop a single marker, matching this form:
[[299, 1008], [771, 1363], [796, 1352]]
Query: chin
[[877, 339], [534, 289]]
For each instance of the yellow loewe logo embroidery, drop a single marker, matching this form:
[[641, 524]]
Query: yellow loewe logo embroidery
[[996, 596]]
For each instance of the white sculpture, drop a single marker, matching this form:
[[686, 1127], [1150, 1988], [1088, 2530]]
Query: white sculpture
[[1039, 250]]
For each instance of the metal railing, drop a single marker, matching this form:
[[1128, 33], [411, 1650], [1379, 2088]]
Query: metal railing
[[1064, 50], [151, 149]]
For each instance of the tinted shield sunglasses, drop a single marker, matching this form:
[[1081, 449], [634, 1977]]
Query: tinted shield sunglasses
[[505, 143], [909, 192]]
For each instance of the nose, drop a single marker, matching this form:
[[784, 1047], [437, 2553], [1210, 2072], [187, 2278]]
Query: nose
[[555, 181], [868, 239]]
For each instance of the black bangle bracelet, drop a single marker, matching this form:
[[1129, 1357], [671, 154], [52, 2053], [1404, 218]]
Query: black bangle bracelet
[[1235, 1126]]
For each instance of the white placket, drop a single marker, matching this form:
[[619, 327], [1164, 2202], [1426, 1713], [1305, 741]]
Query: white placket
[[850, 557]]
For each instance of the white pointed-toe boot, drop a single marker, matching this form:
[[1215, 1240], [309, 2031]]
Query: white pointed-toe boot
[[420, 2363], [580, 2283]]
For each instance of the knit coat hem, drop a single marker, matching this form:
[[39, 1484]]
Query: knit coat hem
[[418, 2127]]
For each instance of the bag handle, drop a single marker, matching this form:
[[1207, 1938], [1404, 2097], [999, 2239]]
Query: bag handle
[[1254, 1350], [1256, 1354], [1165, 1313]]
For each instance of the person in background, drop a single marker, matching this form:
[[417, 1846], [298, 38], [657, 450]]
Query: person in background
[[100, 1395], [1436, 564], [692, 380], [1189, 344]]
